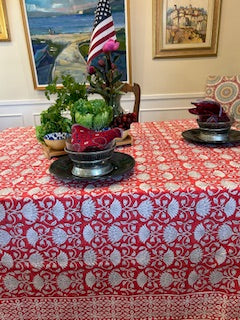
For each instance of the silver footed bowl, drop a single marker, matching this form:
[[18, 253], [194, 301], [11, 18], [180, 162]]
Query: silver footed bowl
[[214, 131], [91, 164]]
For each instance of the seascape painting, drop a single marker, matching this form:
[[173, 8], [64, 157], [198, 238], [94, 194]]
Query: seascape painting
[[58, 35]]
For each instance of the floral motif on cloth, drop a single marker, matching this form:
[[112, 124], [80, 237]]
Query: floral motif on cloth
[[161, 242]]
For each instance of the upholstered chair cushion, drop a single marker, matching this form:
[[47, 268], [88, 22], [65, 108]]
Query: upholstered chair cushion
[[226, 91]]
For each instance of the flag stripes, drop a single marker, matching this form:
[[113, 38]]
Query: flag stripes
[[103, 30]]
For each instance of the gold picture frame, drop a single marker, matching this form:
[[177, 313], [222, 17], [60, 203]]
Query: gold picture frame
[[185, 28], [4, 29], [47, 40]]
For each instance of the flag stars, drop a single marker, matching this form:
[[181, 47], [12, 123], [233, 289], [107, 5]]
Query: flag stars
[[103, 10]]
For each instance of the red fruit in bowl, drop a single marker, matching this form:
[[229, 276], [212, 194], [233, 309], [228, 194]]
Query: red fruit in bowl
[[124, 118], [124, 121]]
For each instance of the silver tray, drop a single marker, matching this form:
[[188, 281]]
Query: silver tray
[[194, 135], [122, 163]]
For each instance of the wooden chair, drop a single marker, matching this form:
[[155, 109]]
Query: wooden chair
[[136, 90]]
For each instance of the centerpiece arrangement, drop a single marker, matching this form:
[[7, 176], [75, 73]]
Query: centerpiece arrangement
[[75, 120], [90, 127], [74, 106]]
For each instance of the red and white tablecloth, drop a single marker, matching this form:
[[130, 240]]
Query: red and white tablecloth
[[160, 243]]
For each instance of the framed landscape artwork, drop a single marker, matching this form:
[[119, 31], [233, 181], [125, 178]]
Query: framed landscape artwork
[[4, 31], [58, 34], [185, 28]]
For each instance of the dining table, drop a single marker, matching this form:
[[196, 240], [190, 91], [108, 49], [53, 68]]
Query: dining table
[[158, 239]]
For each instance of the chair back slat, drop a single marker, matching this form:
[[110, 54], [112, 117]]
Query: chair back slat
[[136, 90]]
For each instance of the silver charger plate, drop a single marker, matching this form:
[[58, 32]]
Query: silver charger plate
[[193, 135], [122, 163]]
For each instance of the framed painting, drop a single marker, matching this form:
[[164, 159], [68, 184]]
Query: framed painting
[[4, 30], [58, 35], [185, 28]]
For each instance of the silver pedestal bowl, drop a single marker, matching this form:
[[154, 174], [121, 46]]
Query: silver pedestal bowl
[[214, 131], [91, 164]]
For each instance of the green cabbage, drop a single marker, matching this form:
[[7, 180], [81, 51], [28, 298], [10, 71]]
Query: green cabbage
[[92, 114], [85, 120]]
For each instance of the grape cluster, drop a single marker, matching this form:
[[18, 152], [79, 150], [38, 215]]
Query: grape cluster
[[124, 120]]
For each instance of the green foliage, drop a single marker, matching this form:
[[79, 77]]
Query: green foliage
[[92, 114], [52, 119], [68, 93], [106, 80]]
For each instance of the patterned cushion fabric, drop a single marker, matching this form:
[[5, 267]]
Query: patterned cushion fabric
[[226, 91]]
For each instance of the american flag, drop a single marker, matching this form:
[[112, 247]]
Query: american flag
[[103, 29]]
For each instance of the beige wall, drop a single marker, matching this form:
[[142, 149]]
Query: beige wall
[[182, 74], [164, 82]]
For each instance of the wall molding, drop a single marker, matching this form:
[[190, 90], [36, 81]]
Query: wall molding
[[20, 103], [172, 96], [153, 107], [11, 120], [13, 115], [164, 109], [128, 97]]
